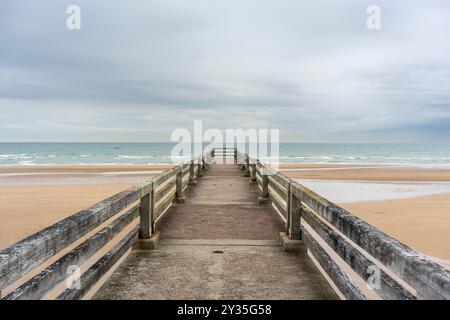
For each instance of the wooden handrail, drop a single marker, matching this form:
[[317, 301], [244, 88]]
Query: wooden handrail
[[154, 198], [295, 202]]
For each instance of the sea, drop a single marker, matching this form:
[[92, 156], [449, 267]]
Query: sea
[[12, 154]]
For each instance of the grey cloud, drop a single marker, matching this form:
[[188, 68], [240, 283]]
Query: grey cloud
[[312, 69]]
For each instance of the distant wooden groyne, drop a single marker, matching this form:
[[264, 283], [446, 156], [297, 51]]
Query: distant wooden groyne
[[212, 229]]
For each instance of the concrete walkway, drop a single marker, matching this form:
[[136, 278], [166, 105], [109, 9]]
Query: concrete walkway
[[219, 245]]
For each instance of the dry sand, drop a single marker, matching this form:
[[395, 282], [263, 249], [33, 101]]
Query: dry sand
[[26, 209]]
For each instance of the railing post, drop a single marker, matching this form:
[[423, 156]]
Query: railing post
[[147, 206], [246, 166], [204, 165], [295, 212], [252, 174], [288, 208], [180, 198], [192, 181], [200, 168], [241, 161], [264, 189]]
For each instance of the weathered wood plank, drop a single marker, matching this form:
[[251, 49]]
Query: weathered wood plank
[[192, 171], [259, 180], [253, 172], [164, 189], [146, 212], [279, 189], [39, 285], [295, 214], [185, 181], [164, 176], [29, 253], [389, 287], [264, 186], [101, 267], [279, 203], [430, 279], [185, 168], [340, 279], [162, 205], [281, 180], [179, 185]]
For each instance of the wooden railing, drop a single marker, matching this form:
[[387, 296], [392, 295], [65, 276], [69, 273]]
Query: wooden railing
[[225, 153], [33, 267], [76, 239], [326, 228]]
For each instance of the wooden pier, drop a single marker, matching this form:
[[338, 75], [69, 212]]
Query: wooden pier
[[221, 226]]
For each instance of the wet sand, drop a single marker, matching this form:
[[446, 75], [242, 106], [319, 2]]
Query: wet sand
[[361, 172]]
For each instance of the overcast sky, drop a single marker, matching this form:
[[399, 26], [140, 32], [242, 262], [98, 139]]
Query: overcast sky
[[139, 69]]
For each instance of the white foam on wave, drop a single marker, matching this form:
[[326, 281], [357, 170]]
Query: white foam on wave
[[112, 173], [328, 168], [133, 157]]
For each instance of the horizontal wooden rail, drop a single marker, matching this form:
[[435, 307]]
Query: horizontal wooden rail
[[40, 284], [100, 268], [153, 198], [22, 257], [360, 263]]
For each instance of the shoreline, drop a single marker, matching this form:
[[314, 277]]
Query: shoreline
[[281, 164]]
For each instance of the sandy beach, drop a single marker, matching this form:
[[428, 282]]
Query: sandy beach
[[34, 197], [410, 203]]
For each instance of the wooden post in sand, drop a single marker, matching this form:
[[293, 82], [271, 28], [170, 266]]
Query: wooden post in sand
[[147, 207]]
